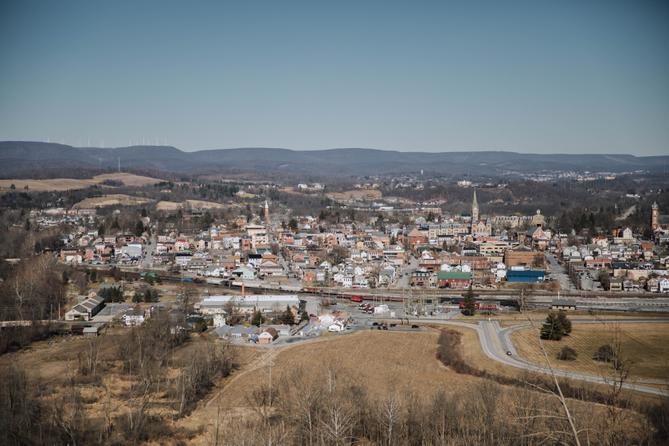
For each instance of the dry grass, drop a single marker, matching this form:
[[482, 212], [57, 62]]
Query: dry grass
[[111, 200], [168, 206], [511, 318], [645, 345], [128, 179], [475, 357], [54, 362], [378, 361], [62, 184], [194, 204], [358, 194]]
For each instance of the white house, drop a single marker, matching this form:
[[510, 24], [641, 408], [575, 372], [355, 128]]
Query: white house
[[133, 318], [219, 320], [336, 327], [244, 273], [663, 285]]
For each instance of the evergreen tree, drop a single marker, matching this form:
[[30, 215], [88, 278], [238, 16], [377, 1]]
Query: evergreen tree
[[138, 297], [139, 228], [112, 294], [469, 304], [257, 318], [287, 317], [551, 328], [564, 322]]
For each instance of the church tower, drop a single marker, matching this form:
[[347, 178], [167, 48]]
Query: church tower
[[475, 209], [655, 217], [266, 213]]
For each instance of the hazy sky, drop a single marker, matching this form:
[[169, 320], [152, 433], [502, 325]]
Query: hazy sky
[[536, 76]]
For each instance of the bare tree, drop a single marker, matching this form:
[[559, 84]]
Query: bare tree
[[390, 412]]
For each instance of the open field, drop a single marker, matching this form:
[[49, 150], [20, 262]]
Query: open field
[[646, 346], [193, 204], [511, 318], [379, 361], [111, 200], [357, 194], [62, 184]]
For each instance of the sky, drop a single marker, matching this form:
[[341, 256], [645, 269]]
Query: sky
[[528, 76]]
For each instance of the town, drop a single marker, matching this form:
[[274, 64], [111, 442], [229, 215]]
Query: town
[[263, 265], [252, 254], [334, 223]]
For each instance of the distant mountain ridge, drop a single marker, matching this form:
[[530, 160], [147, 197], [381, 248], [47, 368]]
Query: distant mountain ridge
[[20, 157]]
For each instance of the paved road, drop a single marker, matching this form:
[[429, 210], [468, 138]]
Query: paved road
[[405, 273], [495, 342], [149, 250], [559, 273]]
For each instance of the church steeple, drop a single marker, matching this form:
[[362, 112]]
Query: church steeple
[[655, 217], [475, 209], [266, 213]]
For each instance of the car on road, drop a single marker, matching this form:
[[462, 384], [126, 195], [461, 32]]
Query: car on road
[[508, 353]]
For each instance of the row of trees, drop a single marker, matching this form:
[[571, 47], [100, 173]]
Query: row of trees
[[330, 407], [33, 290], [146, 295]]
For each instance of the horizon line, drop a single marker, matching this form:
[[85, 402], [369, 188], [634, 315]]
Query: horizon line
[[478, 150]]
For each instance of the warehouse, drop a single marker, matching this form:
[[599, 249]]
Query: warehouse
[[525, 276], [263, 302]]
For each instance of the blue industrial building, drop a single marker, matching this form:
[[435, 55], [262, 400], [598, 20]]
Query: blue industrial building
[[525, 276]]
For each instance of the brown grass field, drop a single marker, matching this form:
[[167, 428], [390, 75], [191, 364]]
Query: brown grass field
[[358, 194], [380, 362], [646, 346], [195, 204], [511, 318], [62, 184], [111, 200]]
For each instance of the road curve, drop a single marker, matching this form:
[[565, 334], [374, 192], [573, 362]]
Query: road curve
[[495, 342]]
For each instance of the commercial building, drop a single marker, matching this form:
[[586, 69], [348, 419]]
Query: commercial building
[[247, 304]]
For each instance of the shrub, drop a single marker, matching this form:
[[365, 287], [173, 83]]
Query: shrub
[[604, 353], [567, 354]]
